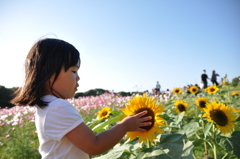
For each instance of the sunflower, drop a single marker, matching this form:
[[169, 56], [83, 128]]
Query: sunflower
[[225, 83], [104, 113], [177, 91], [139, 104], [193, 89], [212, 89], [181, 106], [221, 115], [201, 102], [236, 110], [235, 93]]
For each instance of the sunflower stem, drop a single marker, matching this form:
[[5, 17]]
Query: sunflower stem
[[215, 150], [228, 97], [205, 148], [225, 156], [194, 156], [148, 144], [214, 143], [209, 143], [205, 142], [197, 135]]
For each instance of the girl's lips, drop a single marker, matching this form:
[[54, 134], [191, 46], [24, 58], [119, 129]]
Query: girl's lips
[[76, 88]]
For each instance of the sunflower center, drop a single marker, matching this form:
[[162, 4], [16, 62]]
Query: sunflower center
[[104, 113], [212, 90], [202, 104], [149, 113], [181, 107], [219, 117], [194, 90], [177, 91]]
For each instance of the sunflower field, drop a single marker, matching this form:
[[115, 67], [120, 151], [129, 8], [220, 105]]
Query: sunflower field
[[195, 125]]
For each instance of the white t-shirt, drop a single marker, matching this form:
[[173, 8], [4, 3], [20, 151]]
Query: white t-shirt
[[53, 122]]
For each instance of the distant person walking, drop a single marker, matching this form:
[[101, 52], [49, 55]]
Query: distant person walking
[[221, 81], [158, 87], [204, 78], [214, 78]]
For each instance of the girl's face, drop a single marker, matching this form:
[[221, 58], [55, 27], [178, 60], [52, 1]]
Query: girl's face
[[65, 85]]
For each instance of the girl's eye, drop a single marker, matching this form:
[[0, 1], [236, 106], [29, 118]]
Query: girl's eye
[[74, 71]]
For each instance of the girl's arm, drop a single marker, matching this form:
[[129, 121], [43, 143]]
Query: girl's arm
[[85, 139]]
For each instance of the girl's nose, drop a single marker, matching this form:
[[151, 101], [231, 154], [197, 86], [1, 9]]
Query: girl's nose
[[78, 78]]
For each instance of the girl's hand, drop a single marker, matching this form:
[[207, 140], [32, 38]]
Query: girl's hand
[[86, 140], [134, 122]]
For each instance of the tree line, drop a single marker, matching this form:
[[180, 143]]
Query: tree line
[[6, 94]]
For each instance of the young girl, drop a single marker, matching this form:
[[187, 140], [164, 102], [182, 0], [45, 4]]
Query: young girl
[[51, 76]]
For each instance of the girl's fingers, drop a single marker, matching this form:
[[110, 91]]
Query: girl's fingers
[[141, 130], [139, 115], [145, 124], [145, 119]]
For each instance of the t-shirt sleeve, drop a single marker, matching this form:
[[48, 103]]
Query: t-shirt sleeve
[[61, 118]]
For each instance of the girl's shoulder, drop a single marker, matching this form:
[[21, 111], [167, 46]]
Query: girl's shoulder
[[54, 101]]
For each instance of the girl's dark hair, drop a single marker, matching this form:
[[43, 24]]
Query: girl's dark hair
[[45, 58]]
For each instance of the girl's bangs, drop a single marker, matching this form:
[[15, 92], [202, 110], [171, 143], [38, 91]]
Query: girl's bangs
[[72, 58]]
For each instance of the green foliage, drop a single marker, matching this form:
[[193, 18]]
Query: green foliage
[[231, 144], [236, 80], [168, 146], [98, 91], [19, 141], [101, 127], [6, 96], [124, 94], [91, 92], [187, 135]]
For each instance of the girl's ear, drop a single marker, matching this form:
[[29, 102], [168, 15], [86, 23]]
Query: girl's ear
[[47, 87]]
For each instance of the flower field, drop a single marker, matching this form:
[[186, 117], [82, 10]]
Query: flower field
[[199, 124]]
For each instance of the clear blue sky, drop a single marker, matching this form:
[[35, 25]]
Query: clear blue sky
[[126, 43]]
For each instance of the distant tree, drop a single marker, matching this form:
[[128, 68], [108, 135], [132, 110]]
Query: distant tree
[[100, 91], [128, 93], [91, 92], [124, 93], [78, 94], [6, 96], [236, 80]]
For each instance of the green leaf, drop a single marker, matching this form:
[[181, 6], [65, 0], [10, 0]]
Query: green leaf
[[171, 138], [116, 112], [189, 129], [153, 153], [100, 127], [235, 85], [115, 153], [179, 118], [93, 123], [231, 144], [198, 142], [238, 119], [176, 146], [207, 129]]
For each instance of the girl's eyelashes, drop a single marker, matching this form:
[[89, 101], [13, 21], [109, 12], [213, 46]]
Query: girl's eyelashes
[[74, 69]]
